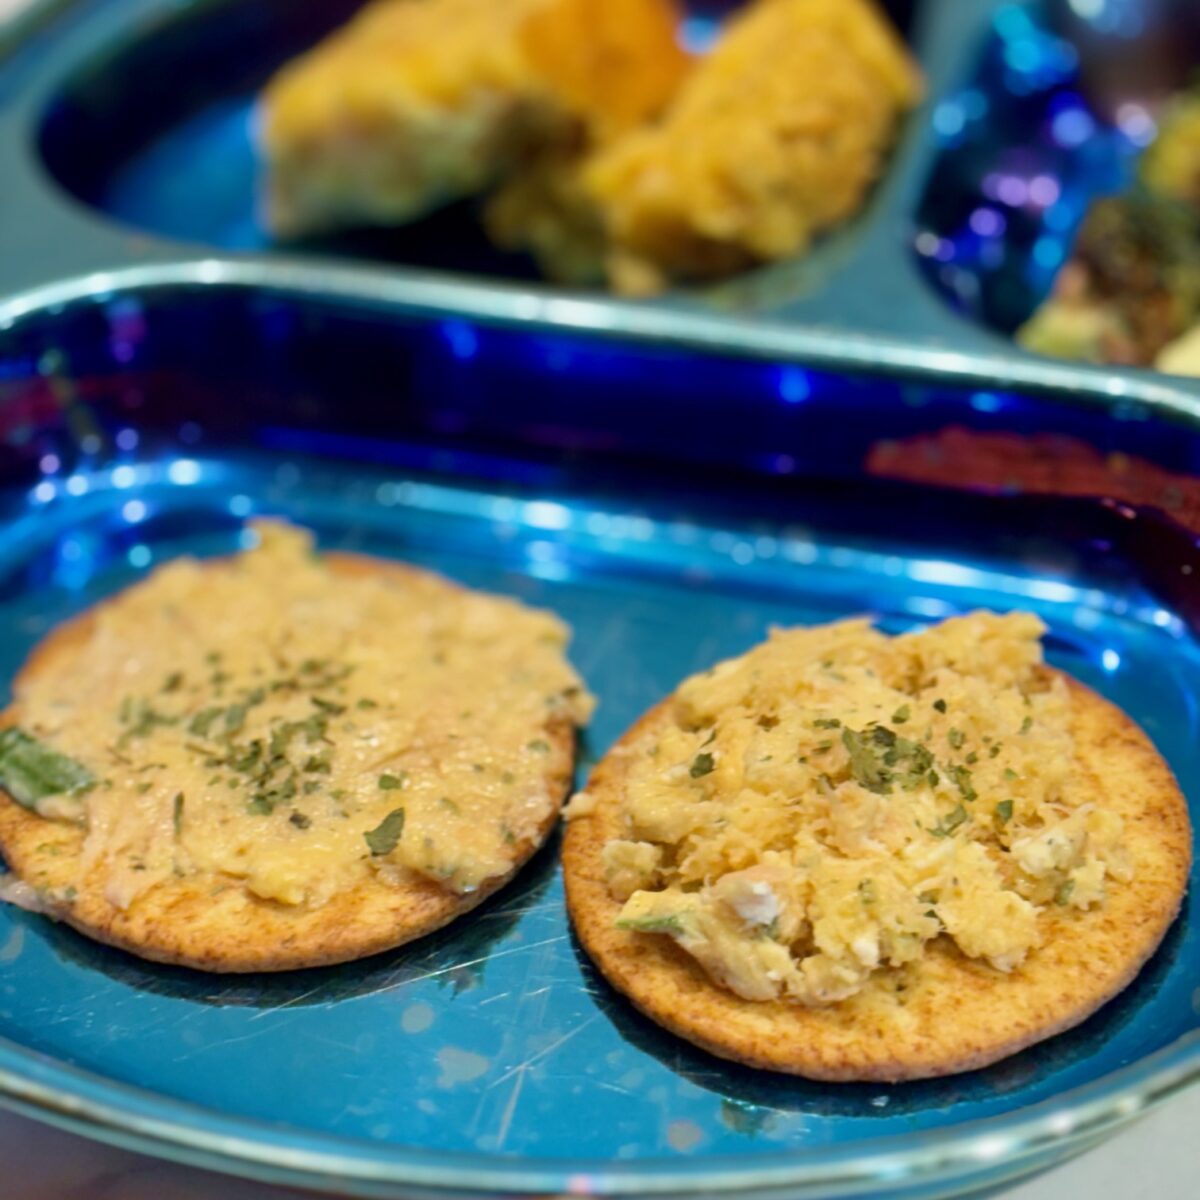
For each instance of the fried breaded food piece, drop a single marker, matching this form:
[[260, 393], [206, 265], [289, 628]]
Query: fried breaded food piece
[[776, 136], [974, 856], [419, 102], [1132, 285]]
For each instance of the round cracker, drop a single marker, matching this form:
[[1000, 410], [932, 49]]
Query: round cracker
[[212, 922], [946, 1013]]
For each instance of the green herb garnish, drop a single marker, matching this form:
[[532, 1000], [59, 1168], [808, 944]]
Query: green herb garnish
[[1027, 725], [297, 818], [385, 836], [392, 783], [1063, 895], [950, 822], [202, 722], [901, 714], [962, 780], [30, 770], [940, 705], [864, 765], [538, 746], [173, 682], [827, 723], [140, 719], [880, 758], [1004, 811], [702, 765], [956, 737]]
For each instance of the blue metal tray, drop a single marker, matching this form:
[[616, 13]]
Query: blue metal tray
[[670, 505], [126, 134]]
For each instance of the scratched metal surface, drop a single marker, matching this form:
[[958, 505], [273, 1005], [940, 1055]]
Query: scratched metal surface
[[671, 509]]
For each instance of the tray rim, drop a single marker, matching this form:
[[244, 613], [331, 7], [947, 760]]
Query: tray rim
[[1004, 1146], [433, 295], [81, 1102], [78, 32]]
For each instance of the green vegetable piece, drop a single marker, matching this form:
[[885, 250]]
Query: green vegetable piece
[[940, 705], [177, 813], [1004, 811], [827, 723], [956, 737], [702, 765], [901, 714], [385, 836], [30, 770], [392, 783], [1062, 897]]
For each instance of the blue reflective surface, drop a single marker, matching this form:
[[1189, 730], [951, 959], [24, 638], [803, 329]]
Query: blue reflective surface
[[1022, 154], [671, 509]]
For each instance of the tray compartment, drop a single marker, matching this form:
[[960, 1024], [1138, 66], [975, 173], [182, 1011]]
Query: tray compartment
[[671, 508], [142, 126]]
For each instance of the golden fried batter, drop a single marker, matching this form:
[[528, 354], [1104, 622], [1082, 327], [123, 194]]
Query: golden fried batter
[[775, 137], [419, 102]]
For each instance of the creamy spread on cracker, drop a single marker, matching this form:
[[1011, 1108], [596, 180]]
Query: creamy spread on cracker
[[297, 729], [829, 804]]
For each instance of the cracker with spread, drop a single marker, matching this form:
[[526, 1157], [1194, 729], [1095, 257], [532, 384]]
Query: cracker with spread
[[857, 857], [283, 759]]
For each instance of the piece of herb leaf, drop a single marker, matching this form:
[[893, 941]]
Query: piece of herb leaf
[[384, 838], [30, 770], [950, 822]]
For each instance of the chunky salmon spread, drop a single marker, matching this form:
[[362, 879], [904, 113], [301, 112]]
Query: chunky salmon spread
[[295, 728], [831, 802]]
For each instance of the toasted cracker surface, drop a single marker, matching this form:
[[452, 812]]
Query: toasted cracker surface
[[212, 922], [946, 1013]]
